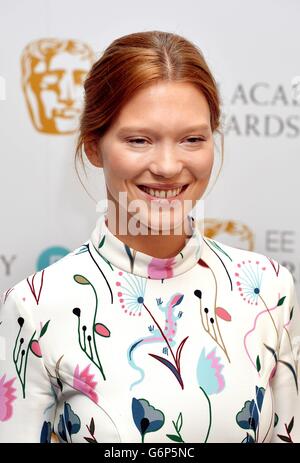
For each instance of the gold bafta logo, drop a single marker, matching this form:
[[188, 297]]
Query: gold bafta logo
[[229, 232], [53, 72]]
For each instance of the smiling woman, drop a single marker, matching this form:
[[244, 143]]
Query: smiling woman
[[151, 131], [155, 334]]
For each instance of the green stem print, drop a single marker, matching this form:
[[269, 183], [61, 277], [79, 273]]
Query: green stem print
[[91, 430], [178, 425], [209, 319], [288, 428], [18, 358], [210, 415], [91, 350]]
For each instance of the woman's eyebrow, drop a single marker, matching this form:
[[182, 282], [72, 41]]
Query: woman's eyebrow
[[147, 129]]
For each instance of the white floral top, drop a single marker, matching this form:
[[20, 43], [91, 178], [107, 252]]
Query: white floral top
[[112, 345]]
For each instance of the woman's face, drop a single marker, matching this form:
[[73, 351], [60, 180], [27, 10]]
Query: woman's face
[[162, 135]]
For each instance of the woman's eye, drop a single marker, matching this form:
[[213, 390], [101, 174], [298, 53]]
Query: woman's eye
[[196, 138], [134, 140], [139, 141]]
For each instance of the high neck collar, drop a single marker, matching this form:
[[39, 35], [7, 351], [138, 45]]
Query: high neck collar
[[138, 263]]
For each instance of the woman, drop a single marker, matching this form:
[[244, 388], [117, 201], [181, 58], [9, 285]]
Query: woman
[[150, 331]]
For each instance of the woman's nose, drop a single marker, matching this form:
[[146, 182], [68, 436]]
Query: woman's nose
[[166, 163]]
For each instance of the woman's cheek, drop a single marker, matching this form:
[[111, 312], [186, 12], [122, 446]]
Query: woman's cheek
[[203, 168], [124, 164]]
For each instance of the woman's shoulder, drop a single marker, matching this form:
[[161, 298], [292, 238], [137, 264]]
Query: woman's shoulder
[[248, 262], [53, 278]]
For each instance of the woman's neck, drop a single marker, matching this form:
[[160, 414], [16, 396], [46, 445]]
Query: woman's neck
[[160, 245]]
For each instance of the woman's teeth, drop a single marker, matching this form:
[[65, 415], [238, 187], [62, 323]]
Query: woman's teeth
[[161, 193]]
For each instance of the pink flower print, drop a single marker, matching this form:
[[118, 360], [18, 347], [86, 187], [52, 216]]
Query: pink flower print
[[209, 372], [6, 398], [83, 381], [161, 268]]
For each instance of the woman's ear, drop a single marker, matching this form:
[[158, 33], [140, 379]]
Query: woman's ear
[[93, 153]]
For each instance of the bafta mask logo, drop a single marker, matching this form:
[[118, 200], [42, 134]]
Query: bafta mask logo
[[53, 72], [229, 232]]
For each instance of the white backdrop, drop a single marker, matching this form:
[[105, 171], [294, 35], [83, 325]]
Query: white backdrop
[[253, 51]]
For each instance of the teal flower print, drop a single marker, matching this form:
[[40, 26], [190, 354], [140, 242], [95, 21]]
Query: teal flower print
[[146, 417], [131, 292], [248, 417], [249, 277], [69, 423], [210, 379], [209, 373]]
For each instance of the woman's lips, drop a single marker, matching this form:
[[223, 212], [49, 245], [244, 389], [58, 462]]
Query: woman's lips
[[163, 200]]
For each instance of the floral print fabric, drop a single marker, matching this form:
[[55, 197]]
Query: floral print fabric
[[112, 345]]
